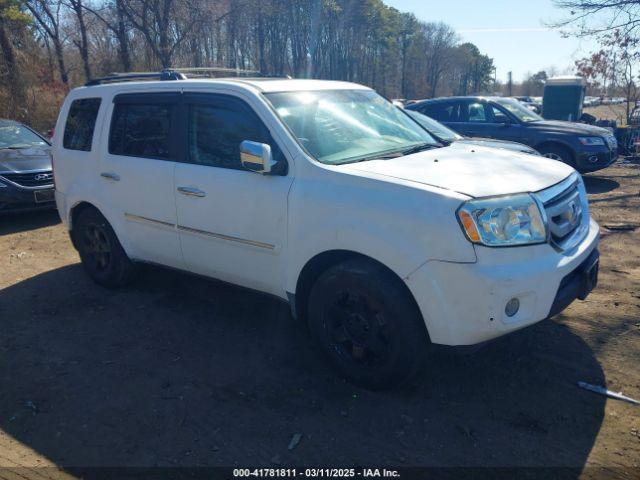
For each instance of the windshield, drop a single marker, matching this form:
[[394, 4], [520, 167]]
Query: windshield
[[343, 126], [18, 136], [434, 127], [521, 112]]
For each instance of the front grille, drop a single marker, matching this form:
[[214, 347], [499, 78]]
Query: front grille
[[612, 142], [565, 214], [31, 179]]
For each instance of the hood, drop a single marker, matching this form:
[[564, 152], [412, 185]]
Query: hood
[[569, 127], [471, 170], [36, 158], [493, 143]]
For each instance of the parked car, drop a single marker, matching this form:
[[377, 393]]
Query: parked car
[[26, 178], [530, 103], [634, 116], [447, 135], [584, 147], [590, 101], [327, 196]]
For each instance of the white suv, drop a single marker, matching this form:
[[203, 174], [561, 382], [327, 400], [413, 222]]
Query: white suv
[[326, 195]]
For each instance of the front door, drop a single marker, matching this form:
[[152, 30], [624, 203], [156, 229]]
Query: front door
[[231, 222], [483, 120]]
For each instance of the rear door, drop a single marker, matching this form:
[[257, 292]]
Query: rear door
[[447, 112], [231, 221], [137, 174]]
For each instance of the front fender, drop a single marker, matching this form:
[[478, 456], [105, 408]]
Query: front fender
[[399, 226]]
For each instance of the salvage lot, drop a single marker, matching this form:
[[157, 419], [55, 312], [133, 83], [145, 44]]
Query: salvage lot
[[181, 371]]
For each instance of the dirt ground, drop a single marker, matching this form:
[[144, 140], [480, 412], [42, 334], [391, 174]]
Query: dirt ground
[[181, 371]]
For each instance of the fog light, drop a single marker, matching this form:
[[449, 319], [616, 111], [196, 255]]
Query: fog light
[[512, 307], [593, 158]]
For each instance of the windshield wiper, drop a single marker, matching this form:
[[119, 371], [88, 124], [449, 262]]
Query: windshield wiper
[[419, 148], [393, 154], [16, 147]]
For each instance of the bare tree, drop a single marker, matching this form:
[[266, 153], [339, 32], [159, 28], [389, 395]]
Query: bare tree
[[83, 42], [159, 21], [592, 17], [47, 14], [113, 17]]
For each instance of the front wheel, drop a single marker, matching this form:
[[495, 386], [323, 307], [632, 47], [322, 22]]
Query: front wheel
[[367, 323], [557, 152], [102, 256]]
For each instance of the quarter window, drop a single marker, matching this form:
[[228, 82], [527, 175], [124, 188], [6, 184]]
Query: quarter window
[[140, 130], [443, 112], [81, 122]]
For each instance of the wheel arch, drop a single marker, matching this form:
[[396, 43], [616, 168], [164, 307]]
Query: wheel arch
[[74, 212], [318, 264], [556, 143]]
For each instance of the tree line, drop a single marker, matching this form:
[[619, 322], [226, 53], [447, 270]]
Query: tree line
[[49, 46]]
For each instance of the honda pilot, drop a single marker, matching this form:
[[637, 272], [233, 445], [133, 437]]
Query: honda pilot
[[327, 196]]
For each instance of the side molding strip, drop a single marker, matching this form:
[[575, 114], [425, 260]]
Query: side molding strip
[[244, 241], [138, 218], [253, 243]]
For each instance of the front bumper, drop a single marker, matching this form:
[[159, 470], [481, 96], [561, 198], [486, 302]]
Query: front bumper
[[464, 303], [596, 158], [15, 199]]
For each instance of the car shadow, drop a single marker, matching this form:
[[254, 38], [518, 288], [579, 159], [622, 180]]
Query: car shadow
[[25, 221], [179, 371], [596, 185]]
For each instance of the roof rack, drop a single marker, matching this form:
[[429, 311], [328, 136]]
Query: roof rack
[[170, 74], [208, 71]]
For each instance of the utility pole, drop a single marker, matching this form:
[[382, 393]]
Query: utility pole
[[495, 79], [510, 83]]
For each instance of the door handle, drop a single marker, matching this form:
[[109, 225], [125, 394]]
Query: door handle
[[110, 176], [192, 192]]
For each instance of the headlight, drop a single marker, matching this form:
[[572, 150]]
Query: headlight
[[504, 221], [592, 140]]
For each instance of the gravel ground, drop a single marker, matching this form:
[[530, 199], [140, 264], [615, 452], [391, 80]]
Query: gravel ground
[[181, 371]]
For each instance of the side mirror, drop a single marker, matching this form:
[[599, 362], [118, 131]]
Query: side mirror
[[256, 157]]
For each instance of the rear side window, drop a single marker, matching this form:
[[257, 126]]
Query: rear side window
[[81, 121], [140, 130], [443, 112]]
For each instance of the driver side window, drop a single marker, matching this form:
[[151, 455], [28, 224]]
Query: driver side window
[[499, 116], [216, 130]]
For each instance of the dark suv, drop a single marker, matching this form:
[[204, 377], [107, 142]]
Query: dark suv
[[584, 147], [26, 177]]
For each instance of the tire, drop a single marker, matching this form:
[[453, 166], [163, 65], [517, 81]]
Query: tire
[[365, 320], [102, 256], [557, 152]]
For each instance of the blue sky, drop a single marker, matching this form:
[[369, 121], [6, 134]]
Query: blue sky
[[512, 32]]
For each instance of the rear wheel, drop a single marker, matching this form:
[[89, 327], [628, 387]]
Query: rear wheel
[[557, 152], [103, 258], [367, 323]]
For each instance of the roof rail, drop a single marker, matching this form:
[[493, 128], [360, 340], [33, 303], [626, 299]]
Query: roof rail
[[132, 76], [203, 71], [169, 74]]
